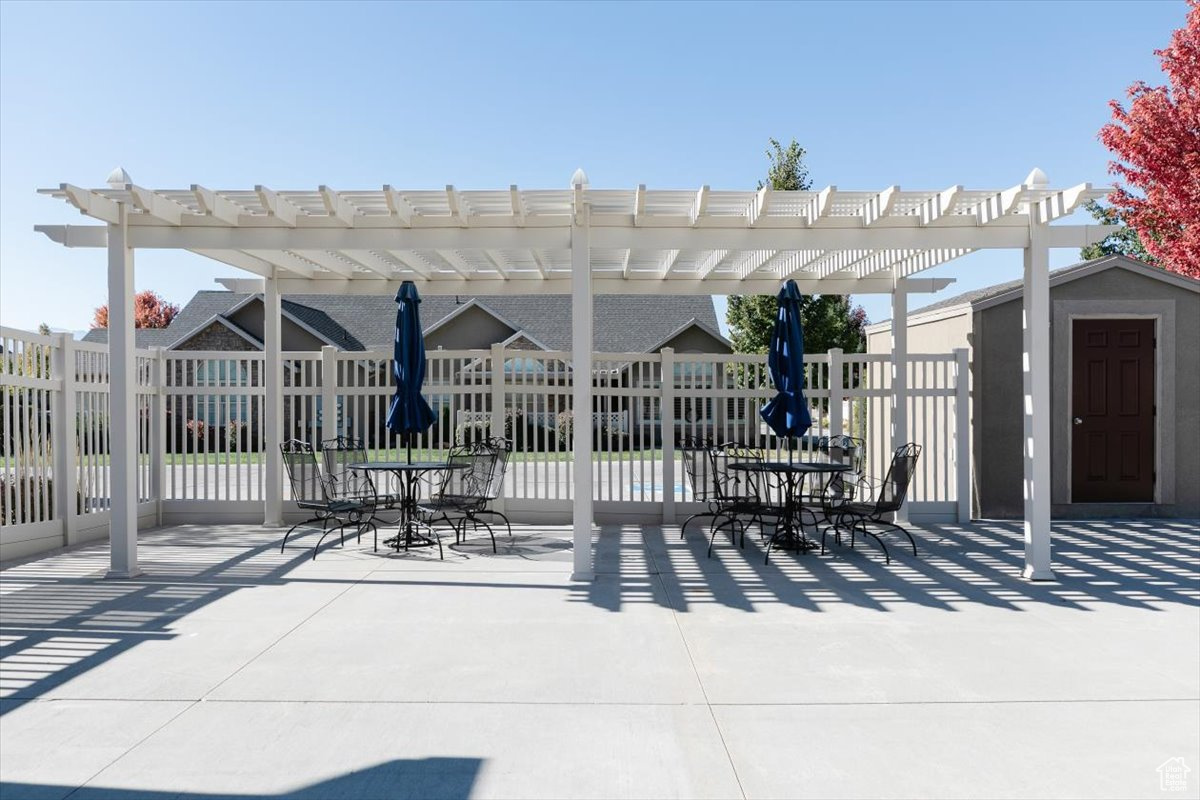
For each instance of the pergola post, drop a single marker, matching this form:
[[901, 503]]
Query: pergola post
[[273, 403], [899, 378], [122, 398], [1036, 385], [581, 384]]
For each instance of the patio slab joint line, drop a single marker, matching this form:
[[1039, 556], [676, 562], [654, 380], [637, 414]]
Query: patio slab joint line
[[692, 660], [131, 748], [222, 682]]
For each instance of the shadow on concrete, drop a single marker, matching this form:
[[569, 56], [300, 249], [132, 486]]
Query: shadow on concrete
[[399, 779], [60, 618], [1132, 563]]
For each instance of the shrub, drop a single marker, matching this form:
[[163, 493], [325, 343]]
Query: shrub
[[241, 436], [564, 426], [29, 489]]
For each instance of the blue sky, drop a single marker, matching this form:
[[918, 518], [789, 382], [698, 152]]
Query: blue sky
[[676, 95]]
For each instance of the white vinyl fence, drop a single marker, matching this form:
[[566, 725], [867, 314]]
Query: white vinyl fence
[[201, 438]]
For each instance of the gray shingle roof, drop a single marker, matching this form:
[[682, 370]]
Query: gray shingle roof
[[624, 323], [988, 292]]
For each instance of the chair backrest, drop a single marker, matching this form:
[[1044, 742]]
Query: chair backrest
[[336, 457], [304, 473], [499, 450], [473, 466], [730, 484], [899, 476], [846, 450], [697, 465]]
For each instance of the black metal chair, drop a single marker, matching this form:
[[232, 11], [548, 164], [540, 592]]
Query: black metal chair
[[337, 455], [838, 488], [473, 505], [466, 489], [889, 496], [697, 466], [740, 497], [314, 491], [495, 485]]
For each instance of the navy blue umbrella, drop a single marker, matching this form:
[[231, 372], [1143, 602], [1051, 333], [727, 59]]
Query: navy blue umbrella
[[787, 412], [409, 413]]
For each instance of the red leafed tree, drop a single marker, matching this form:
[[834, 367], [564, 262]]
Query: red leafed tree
[[149, 311], [1157, 144]]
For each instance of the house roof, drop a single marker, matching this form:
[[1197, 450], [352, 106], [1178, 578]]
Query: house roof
[[1003, 292], [624, 323]]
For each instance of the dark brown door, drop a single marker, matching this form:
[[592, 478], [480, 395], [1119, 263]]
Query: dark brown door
[[1112, 411]]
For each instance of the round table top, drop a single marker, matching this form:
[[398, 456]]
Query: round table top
[[791, 466], [406, 466]]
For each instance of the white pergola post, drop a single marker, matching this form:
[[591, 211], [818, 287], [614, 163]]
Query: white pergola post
[[122, 398], [1036, 384], [581, 385], [273, 403], [899, 378]]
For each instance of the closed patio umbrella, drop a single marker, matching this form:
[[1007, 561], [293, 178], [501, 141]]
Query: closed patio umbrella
[[409, 413], [787, 412]]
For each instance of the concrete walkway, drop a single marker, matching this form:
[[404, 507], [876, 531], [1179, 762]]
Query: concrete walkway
[[230, 670]]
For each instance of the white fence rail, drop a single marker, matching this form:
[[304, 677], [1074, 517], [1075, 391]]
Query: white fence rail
[[201, 440]]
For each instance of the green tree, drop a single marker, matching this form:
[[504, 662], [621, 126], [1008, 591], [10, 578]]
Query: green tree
[[1124, 242], [829, 320]]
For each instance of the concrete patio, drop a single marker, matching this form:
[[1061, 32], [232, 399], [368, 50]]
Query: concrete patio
[[231, 670]]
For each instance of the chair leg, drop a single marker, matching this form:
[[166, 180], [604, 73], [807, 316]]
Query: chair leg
[[892, 526], [683, 527], [911, 541], [477, 522], [507, 524], [887, 558], [325, 533], [297, 525], [713, 538]]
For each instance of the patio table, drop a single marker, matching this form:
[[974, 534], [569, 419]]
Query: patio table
[[408, 472], [790, 530]]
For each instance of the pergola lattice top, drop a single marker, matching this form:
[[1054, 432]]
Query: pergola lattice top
[[715, 240]]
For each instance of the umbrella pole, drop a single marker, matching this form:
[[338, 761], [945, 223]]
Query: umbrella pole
[[789, 450], [408, 439]]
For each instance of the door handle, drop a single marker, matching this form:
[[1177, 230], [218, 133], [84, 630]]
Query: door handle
[[1078, 420]]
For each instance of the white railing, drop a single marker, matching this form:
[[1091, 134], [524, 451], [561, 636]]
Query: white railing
[[201, 438]]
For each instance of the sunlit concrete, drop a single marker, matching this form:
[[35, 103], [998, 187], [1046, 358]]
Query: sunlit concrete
[[229, 669]]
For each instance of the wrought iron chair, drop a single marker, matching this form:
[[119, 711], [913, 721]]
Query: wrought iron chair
[[495, 485], [313, 491], [740, 494], [697, 466], [889, 496], [466, 489], [337, 455], [839, 487]]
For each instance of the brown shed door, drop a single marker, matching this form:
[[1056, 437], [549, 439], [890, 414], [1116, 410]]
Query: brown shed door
[[1112, 411]]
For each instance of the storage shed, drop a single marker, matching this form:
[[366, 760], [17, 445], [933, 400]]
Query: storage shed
[[1125, 388]]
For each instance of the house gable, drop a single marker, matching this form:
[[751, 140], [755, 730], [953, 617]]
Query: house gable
[[472, 327], [695, 337], [296, 335], [219, 334]]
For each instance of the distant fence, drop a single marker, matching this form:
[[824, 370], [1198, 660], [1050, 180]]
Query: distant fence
[[201, 437]]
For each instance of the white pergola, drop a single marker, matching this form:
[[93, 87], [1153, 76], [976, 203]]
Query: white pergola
[[579, 241]]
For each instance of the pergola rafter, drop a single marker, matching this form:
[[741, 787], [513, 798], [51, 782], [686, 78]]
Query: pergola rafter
[[581, 241]]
